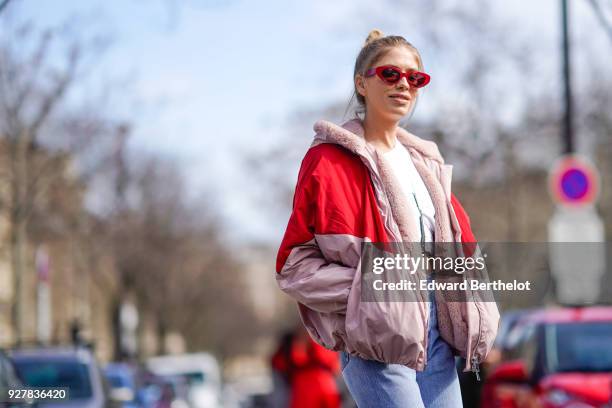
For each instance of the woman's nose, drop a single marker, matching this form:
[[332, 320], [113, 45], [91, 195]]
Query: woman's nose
[[403, 83]]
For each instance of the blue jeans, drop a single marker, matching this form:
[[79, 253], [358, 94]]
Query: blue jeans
[[374, 384]]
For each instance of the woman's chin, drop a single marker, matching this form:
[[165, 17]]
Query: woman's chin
[[401, 110], [396, 114]]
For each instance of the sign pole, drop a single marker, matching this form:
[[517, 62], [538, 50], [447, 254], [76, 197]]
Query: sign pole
[[575, 232], [568, 125], [43, 321]]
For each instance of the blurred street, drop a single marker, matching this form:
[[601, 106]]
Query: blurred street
[[149, 152]]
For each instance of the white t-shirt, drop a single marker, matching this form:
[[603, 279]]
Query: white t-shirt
[[411, 182]]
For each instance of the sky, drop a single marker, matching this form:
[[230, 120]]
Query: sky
[[208, 81]]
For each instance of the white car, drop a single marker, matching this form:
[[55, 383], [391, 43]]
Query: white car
[[201, 372]]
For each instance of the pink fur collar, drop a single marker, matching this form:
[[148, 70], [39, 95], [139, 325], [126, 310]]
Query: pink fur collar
[[350, 136]]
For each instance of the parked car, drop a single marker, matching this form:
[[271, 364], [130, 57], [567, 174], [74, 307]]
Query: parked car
[[175, 392], [200, 371], [506, 332], [122, 379], [555, 358], [10, 381], [471, 387], [73, 368]]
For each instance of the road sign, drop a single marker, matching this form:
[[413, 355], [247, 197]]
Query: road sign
[[573, 181], [577, 254], [42, 264], [576, 232]]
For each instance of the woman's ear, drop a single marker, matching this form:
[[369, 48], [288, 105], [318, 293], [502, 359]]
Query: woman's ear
[[360, 85]]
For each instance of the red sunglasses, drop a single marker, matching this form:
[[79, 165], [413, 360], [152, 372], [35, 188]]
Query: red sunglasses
[[391, 74]]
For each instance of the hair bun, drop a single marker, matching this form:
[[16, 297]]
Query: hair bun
[[374, 35]]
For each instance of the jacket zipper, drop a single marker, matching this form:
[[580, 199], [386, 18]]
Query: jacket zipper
[[475, 366], [388, 205], [425, 340], [429, 294], [427, 311]]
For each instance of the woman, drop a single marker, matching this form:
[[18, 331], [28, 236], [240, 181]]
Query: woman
[[308, 370], [370, 180]]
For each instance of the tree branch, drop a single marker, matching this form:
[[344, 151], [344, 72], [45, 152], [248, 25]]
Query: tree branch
[[56, 95], [3, 5]]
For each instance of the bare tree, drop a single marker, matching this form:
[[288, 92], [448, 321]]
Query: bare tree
[[33, 92], [171, 256]]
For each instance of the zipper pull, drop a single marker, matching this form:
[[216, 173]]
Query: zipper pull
[[476, 367]]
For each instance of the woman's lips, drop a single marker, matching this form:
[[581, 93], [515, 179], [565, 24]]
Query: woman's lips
[[400, 99]]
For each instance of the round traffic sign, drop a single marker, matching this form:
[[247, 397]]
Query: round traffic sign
[[574, 181]]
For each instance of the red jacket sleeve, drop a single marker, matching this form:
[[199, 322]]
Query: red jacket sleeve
[[320, 208], [300, 228], [467, 236]]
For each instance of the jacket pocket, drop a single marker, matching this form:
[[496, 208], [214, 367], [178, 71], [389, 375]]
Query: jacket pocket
[[386, 328]]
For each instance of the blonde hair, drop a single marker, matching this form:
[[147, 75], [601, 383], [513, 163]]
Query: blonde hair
[[376, 46]]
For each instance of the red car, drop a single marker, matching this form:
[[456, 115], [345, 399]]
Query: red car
[[557, 358]]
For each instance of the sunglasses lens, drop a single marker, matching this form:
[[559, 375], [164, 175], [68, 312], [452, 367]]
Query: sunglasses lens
[[418, 80], [390, 75]]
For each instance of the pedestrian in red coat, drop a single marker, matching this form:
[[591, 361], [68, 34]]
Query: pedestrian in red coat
[[310, 370]]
